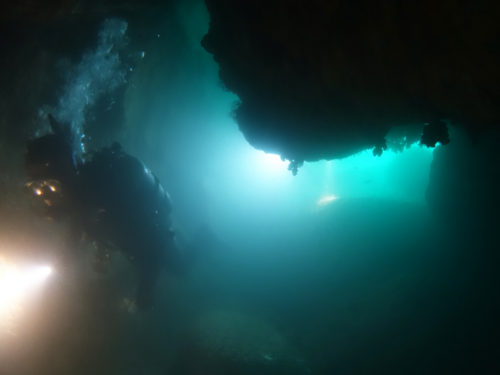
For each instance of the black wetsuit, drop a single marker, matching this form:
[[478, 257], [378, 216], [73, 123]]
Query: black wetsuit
[[127, 205]]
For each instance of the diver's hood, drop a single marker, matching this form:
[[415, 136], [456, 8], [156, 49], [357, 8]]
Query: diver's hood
[[51, 156]]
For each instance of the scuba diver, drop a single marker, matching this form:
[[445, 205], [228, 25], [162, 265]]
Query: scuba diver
[[111, 197]]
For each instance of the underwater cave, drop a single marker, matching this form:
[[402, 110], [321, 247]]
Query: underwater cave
[[249, 187]]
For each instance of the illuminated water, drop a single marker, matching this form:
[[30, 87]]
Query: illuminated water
[[342, 269]]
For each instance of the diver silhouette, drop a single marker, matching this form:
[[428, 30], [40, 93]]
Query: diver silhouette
[[110, 196]]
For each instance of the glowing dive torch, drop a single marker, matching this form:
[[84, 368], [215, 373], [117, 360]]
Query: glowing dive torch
[[17, 284]]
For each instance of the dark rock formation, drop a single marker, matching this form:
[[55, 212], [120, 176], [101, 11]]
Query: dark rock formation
[[327, 78]]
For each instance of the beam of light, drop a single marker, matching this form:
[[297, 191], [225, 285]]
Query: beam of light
[[17, 284], [323, 201], [270, 163], [258, 172]]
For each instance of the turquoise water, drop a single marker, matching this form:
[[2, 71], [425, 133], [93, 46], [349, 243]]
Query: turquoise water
[[353, 266]]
